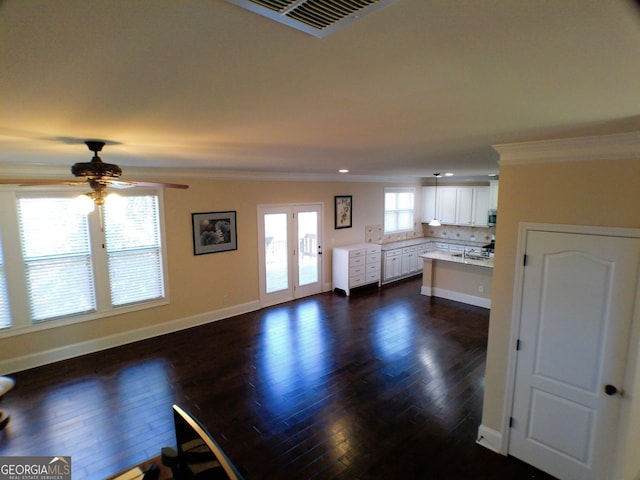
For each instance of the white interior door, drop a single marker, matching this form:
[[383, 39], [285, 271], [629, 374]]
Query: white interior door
[[578, 296], [290, 251]]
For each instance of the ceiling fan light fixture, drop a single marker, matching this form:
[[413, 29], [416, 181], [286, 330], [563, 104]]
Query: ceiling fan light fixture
[[87, 202], [83, 204], [99, 193]]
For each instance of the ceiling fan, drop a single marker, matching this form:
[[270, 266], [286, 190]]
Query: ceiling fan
[[99, 175]]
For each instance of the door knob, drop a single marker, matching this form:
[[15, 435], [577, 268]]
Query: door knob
[[611, 390]]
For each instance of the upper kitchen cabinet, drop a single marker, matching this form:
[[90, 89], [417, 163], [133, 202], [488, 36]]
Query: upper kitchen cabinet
[[493, 194], [465, 206], [481, 202], [428, 204], [447, 205]]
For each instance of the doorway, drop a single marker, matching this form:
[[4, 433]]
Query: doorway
[[290, 251], [577, 290]]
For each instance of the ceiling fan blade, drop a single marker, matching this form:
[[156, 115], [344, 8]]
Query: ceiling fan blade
[[35, 183], [157, 184], [119, 184]]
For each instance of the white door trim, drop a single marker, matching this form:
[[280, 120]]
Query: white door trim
[[523, 229], [294, 291]]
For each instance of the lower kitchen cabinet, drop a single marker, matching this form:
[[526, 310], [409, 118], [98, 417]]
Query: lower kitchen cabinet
[[402, 262], [356, 265], [410, 260], [392, 264]]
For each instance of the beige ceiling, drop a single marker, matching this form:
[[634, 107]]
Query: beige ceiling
[[418, 87]]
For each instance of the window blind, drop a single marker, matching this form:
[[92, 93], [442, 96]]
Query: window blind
[[5, 312], [132, 234], [57, 255], [398, 210]]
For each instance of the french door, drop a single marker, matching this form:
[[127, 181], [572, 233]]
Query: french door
[[290, 251]]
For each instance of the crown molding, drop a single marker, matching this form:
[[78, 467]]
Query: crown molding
[[58, 172], [619, 146]]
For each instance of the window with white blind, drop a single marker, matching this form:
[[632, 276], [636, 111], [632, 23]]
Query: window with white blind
[[56, 251], [71, 266], [5, 312], [132, 231], [398, 210]]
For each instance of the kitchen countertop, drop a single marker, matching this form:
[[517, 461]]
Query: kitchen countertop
[[448, 257], [419, 240], [405, 243]]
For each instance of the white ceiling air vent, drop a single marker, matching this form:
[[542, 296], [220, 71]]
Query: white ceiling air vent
[[315, 17]]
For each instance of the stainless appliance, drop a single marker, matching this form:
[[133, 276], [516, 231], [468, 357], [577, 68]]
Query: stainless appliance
[[493, 216]]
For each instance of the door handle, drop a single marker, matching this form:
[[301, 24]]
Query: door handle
[[612, 390]]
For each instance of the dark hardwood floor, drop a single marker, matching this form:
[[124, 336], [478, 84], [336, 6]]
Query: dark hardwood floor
[[384, 384]]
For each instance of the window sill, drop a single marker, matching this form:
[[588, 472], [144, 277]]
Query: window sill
[[16, 330]]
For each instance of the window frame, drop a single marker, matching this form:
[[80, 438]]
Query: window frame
[[15, 267], [387, 190], [4, 289]]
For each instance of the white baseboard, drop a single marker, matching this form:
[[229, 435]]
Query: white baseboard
[[490, 438], [461, 297], [425, 291], [38, 359]]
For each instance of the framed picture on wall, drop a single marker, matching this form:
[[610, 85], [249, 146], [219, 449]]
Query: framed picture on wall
[[214, 232], [344, 211]]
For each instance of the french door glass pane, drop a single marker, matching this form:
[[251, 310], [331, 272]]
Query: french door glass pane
[[308, 248], [276, 252]]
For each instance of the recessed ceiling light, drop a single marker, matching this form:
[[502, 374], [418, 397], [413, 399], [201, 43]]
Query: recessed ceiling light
[[448, 174], [343, 170]]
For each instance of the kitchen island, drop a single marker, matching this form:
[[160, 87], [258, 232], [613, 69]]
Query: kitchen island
[[458, 276]]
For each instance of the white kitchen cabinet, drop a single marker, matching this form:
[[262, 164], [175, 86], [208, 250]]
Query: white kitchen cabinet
[[493, 194], [481, 199], [422, 249], [447, 205], [403, 261], [356, 265], [464, 206], [392, 264], [456, 249], [428, 204], [409, 260]]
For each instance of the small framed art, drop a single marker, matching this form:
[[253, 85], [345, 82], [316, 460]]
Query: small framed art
[[344, 211], [214, 232]]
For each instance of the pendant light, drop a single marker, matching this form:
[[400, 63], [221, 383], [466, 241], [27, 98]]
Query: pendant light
[[435, 222]]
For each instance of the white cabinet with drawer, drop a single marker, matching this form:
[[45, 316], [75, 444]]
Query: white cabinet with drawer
[[442, 246], [392, 264], [409, 260], [356, 265], [403, 261]]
